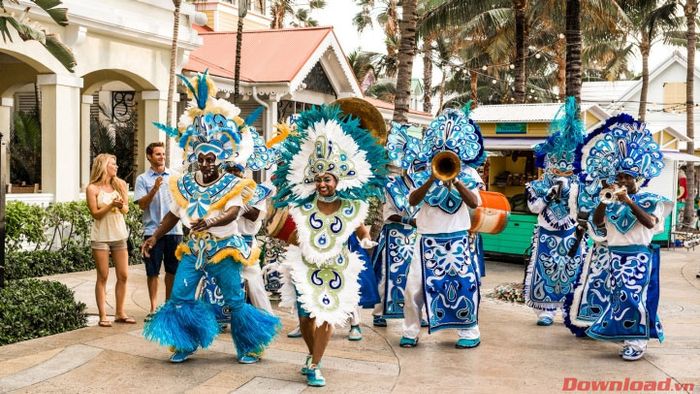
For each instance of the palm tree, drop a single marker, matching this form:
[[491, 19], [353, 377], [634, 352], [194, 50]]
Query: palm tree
[[649, 20], [456, 12], [691, 12], [280, 9], [407, 50], [387, 18], [573, 49], [173, 63], [242, 12], [26, 32]]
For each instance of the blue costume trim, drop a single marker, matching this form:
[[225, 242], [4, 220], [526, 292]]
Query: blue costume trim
[[551, 273], [621, 215], [632, 311], [369, 294], [393, 255], [451, 284], [200, 198], [261, 192]]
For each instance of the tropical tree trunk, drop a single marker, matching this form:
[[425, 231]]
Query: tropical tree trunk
[[171, 77], [560, 49], [407, 50], [237, 69], [427, 74], [521, 43], [691, 10], [473, 87], [573, 49], [442, 89], [644, 48]]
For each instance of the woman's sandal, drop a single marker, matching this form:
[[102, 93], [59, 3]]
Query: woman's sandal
[[125, 320], [104, 323]]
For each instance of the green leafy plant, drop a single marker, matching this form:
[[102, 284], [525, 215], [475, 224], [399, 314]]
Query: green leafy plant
[[510, 292], [25, 148], [33, 308], [117, 139]]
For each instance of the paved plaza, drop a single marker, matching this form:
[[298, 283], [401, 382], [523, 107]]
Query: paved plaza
[[515, 354]]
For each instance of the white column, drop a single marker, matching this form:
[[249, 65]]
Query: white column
[[60, 135], [6, 104], [85, 103], [153, 107]]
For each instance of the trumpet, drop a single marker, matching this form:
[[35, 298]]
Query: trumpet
[[609, 194], [446, 165]]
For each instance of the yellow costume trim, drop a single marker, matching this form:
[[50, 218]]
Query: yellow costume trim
[[283, 131], [175, 192], [182, 249], [244, 187], [236, 255]]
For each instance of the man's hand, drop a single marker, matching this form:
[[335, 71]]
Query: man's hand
[[147, 246], [199, 225], [367, 243], [159, 181], [623, 197]]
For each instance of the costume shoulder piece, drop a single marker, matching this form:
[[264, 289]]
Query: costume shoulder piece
[[398, 192], [321, 236], [327, 141], [200, 200], [622, 217]]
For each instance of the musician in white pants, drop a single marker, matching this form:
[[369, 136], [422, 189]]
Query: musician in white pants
[[442, 240]]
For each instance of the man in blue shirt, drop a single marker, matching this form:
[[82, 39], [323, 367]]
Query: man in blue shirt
[[153, 196]]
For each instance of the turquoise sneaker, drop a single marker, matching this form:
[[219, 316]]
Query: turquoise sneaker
[[181, 355], [305, 369], [464, 343], [314, 378], [408, 342], [545, 321], [424, 323], [355, 333], [249, 359]]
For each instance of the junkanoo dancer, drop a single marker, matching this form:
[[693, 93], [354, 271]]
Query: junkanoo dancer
[[553, 265], [329, 168], [208, 201], [392, 257], [442, 275], [623, 155]]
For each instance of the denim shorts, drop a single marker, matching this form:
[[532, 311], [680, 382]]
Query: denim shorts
[[109, 246], [163, 253]]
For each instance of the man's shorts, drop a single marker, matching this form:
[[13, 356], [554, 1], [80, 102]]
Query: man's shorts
[[163, 252], [112, 246]]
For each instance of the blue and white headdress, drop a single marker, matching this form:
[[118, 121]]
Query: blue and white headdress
[[210, 125], [326, 141], [558, 152], [621, 145]]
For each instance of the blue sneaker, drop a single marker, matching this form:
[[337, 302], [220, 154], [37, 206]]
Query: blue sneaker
[[355, 333], [181, 355], [424, 323], [464, 343], [249, 359], [379, 321], [314, 378], [631, 354], [305, 369], [408, 342], [545, 321]]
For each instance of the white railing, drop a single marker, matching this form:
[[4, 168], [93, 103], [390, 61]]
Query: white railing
[[42, 199]]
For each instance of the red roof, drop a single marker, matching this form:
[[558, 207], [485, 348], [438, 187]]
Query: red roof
[[266, 56]]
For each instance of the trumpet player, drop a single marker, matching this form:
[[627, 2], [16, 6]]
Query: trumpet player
[[628, 219], [442, 277], [553, 268]]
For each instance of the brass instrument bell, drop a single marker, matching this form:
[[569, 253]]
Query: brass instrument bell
[[370, 117], [446, 165], [609, 194]]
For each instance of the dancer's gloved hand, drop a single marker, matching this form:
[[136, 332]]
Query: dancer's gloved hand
[[366, 243]]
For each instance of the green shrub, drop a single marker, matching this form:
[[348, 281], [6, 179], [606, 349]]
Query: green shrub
[[59, 237], [33, 308]]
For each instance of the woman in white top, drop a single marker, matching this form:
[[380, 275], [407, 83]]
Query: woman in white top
[[108, 203]]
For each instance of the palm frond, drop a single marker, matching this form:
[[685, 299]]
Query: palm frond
[[53, 8]]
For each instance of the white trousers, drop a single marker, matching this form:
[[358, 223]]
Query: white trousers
[[414, 300], [356, 318], [379, 308], [256, 287], [637, 344], [540, 314]]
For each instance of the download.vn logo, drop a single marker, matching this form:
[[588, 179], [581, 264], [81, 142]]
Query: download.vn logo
[[573, 384]]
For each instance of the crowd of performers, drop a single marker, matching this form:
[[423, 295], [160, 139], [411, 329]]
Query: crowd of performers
[[591, 251]]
